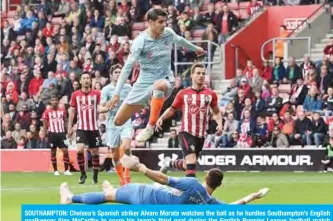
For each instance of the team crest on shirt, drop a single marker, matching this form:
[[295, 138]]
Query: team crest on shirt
[[194, 109]]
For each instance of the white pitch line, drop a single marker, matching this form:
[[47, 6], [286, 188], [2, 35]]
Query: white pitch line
[[115, 184]]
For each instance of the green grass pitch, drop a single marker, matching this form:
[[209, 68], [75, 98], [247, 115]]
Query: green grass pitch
[[285, 188]]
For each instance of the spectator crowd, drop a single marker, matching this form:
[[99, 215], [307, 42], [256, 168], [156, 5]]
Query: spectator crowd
[[47, 46]]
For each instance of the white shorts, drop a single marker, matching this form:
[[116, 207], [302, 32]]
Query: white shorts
[[141, 94], [115, 135]]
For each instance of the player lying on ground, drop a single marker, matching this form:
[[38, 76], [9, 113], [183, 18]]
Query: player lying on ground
[[196, 103], [54, 121], [118, 138], [152, 49], [190, 191]]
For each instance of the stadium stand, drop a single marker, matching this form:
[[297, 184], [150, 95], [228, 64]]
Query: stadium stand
[[44, 53]]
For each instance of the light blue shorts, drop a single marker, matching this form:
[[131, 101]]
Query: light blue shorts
[[115, 135], [141, 94]]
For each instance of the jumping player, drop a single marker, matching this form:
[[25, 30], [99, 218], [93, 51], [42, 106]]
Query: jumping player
[[84, 103], [54, 120], [118, 138], [152, 48], [196, 102], [189, 189]]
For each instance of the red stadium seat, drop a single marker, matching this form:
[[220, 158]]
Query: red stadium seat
[[284, 88], [56, 21], [11, 14], [243, 14], [236, 12], [233, 6], [139, 26]]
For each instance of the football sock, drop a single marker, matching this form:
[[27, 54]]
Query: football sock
[[66, 159], [89, 198], [190, 170], [177, 164], [80, 161], [156, 106], [119, 169], [95, 164], [54, 158]]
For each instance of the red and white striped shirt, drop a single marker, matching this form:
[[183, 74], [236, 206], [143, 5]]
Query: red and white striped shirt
[[86, 105], [195, 107], [55, 120]]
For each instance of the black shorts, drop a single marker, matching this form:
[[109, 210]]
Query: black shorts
[[90, 138], [190, 144], [57, 140]]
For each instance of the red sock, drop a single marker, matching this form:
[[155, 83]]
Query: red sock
[[119, 169]]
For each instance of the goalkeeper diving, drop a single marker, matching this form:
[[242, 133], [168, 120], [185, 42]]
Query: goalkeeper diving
[[188, 189]]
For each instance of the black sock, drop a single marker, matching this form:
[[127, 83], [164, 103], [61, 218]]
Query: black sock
[[66, 160], [177, 164], [190, 170], [95, 163], [54, 158], [80, 161]]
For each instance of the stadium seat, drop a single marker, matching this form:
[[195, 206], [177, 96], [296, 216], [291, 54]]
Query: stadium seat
[[138, 26], [243, 14], [11, 14], [56, 21], [284, 88], [236, 12], [233, 5]]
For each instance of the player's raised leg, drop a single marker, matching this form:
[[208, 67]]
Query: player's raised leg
[[125, 112], [161, 91]]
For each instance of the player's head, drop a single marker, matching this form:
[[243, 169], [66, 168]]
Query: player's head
[[54, 101], [214, 178], [198, 74], [157, 20], [115, 71], [85, 80]]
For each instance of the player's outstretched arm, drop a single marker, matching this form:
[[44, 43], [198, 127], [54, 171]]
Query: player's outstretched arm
[[102, 108], [253, 196], [134, 164], [180, 41]]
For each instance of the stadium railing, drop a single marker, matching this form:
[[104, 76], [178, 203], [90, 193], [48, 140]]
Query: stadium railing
[[210, 60], [285, 47]]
